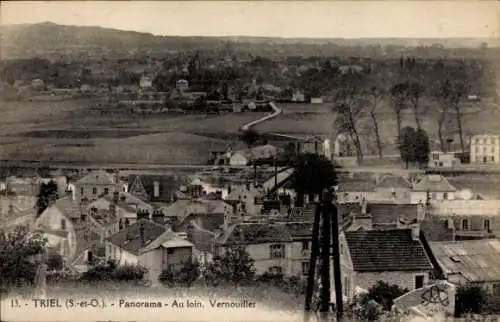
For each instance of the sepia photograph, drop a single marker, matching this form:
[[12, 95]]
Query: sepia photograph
[[250, 161]]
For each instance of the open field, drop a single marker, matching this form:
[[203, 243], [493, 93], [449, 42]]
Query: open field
[[72, 131]]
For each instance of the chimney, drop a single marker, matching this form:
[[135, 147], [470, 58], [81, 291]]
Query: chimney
[[227, 219], [156, 189], [141, 234], [364, 206], [428, 198], [420, 211], [415, 231]]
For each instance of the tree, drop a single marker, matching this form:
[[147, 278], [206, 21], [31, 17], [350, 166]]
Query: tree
[[349, 109], [250, 137], [186, 275], [399, 94], [47, 195], [55, 262], [234, 266], [442, 110], [470, 299], [375, 96], [312, 174], [407, 143], [17, 251], [415, 92], [422, 148], [384, 294]]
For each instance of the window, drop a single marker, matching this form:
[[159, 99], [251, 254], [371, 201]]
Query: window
[[435, 156], [488, 141], [341, 249], [465, 224], [346, 281], [170, 251], [63, 224], [393, 194], [305, 268], [477, 149], [276, 270], [305, 245], [81, 191], [492, 158], [440, 164], [277, 251], [445, 196], [492, 149], [106, 191], [487, 225], [477, 141], [484, 149], [419, 281]]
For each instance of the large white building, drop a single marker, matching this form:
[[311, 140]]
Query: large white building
[[485, 149]]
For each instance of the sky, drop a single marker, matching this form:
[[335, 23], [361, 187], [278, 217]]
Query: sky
[[290, 19]]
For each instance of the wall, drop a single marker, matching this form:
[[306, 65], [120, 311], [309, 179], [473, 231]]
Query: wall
[[466, 207], [153, 261], [485, 146], [238, 159], [384, 194], [298, 255], [100, 189], [355, 196], [176, 256], [120, 212], [402, 279], [51, 219], [417, 196], [119, 255]]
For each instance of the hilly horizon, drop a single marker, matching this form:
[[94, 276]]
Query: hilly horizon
[[47, 38]]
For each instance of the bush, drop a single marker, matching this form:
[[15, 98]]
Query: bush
[[186, 275], [111, 272], [54, 262], [234, 266], [384, 294]]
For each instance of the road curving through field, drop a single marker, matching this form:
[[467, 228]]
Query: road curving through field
[[248, 126]]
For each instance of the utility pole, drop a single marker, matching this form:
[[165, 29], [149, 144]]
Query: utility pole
[[325, 243]]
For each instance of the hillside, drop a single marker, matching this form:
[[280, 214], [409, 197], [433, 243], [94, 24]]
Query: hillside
[[51, 40]]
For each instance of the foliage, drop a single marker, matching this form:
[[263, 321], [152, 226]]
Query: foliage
[[384, 294], [422, 148], [47, 194], [17, 251], [470, 299], [414, 146], [112, 272], [186, 275], [312, 174], [234, 266], [54, 262]]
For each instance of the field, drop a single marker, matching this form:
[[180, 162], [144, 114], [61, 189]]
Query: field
[[71, 130]]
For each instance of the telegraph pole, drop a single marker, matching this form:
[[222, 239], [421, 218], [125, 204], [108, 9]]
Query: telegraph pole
[[325, 243]]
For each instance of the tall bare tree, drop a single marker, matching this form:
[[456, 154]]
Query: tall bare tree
[[415, 93], [375, 95], [399, 95], [349, 108]]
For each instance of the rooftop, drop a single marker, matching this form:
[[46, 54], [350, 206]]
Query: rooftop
[[475, 260], [245, 234], [69, 207], [386, 250], [386, 213], [98, 177], [434, 183], [394, 182]]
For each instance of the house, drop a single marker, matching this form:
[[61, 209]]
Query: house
[[432, 187], [245, 157], [300, 254], [95, 185], [439, 159], [472, 261], [145, 82], [182, 85], [246, 197], [56, 225], [126, 206], [298, 96], [396, 189], [396, 256], [485, 149], [316, 100], [203, 241], [150, 245], [206, 214], [155, 188], [355, 190], [270, 246]]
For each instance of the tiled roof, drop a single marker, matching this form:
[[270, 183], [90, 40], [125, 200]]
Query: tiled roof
[[356, 185], [345, 209], [386, 250], [476, 260], [244, 234], [69, 208], [300, 230], [395, 182], [302, 214], [98, 177], [131, 202], [434, 183], [390, 213], [201, 239], [183, 208], [129, 238], [104, 217]]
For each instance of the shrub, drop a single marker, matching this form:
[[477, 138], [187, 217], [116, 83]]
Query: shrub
[[186, 275], [384, 294], [54, 262]]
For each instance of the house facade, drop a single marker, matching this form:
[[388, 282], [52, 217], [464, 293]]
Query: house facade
[[485, 149], [432, 188], [95, 185], [125, 205], [439, 159], [369, 256], [59, 230], [150, 245]]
